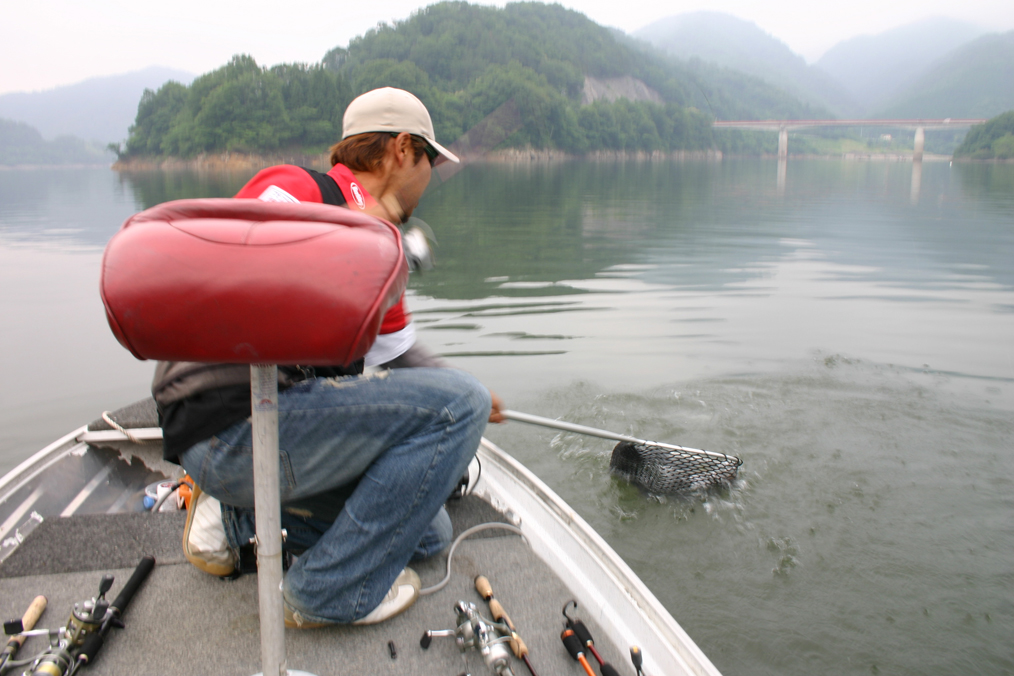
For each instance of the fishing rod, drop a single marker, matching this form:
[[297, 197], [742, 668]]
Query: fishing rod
[[583, 635], [518, 646], [79, 642], [574, 647], [18, 627], [637, 659]]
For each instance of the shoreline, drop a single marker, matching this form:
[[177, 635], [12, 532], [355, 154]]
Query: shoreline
[[79, 165], [241, 162]]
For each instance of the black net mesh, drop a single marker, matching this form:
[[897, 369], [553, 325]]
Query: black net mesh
[[665, 470]]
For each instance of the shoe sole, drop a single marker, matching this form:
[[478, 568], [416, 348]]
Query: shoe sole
[[291, 624], [412, 580], [216, 569]]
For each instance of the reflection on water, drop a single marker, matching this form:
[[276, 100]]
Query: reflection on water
[[916, 182], [844, 327]]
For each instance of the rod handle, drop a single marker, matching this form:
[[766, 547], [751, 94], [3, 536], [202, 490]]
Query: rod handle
[[499, 614], [28, 620], [92, 645], [574, 647], [582, 632], [484, 588], [518, 646], [133, 584], [608, 669]]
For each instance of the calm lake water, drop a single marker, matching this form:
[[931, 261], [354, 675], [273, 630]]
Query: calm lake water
[[846, 329]]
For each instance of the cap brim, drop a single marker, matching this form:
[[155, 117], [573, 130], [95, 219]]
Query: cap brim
[[445, 154]]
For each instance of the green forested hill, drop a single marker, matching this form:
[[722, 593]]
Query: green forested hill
[[464, 61], [992, 140], [975, 80]]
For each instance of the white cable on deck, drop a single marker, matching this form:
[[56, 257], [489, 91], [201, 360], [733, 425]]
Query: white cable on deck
[[470, 531]]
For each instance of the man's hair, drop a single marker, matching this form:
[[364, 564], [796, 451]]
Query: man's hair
[[365, 152]]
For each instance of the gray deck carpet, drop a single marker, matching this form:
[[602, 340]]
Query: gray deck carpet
[[186, 622]]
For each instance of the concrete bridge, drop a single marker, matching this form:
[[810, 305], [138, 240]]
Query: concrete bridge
[[783, 127]]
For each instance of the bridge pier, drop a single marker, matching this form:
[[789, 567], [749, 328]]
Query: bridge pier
[[920, 142], [783, 143]]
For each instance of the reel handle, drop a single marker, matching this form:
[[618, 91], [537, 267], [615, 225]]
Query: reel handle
[[105, 585]]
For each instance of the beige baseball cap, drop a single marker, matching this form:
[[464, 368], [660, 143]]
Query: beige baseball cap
[[392, 110]]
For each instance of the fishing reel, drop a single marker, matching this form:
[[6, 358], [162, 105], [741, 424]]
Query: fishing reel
[[476, 632], [415, 240], [75, 645], [86, 620]]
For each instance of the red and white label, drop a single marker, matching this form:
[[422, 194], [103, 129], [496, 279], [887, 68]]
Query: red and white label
[[357, 195]]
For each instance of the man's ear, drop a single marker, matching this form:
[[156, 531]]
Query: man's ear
[[403, 148]]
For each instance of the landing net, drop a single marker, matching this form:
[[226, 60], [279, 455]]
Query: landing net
[[665, 470]]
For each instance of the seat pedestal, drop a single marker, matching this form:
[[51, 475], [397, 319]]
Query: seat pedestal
[[268, 507]]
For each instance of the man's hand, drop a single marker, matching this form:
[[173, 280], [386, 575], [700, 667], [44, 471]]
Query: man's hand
[[494, 415]]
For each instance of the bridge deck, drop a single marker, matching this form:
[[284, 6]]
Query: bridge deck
[[945, 123]]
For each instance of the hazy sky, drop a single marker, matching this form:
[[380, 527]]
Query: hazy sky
[[47, 43]]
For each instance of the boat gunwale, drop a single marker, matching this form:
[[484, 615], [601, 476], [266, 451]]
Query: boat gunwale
[[40, 458], [683, 652]]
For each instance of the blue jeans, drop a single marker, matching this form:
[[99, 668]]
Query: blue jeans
[[402, 437]]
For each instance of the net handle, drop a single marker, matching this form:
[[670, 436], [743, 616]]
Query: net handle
[[605, 434]]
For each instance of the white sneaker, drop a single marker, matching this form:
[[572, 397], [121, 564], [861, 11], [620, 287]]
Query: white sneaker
[[204, 541], [403, 593]]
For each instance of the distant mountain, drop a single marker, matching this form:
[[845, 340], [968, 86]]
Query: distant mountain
[[550, 78], [99, 109], [877, 68], [743, 46], [976, 80], [23, 144]]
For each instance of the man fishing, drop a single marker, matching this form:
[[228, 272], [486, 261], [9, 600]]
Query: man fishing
[[367, 461]]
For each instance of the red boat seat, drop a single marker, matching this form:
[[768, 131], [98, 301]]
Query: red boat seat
[[251, 282]]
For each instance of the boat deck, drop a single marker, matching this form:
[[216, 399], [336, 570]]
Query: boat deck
[[73, 512], [184, 621]]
